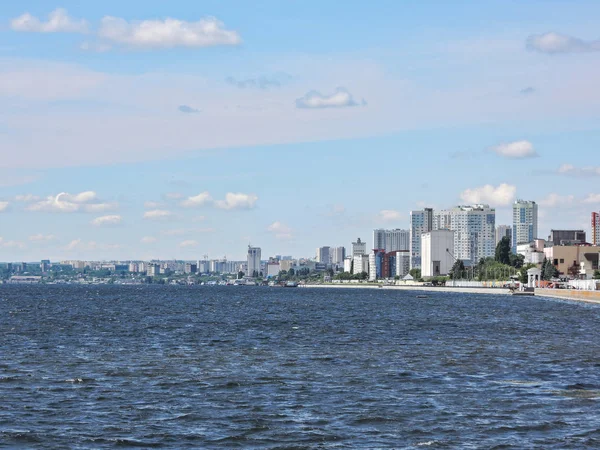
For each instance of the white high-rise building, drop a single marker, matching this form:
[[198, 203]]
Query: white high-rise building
[[525, 223], [420, 222], [324, 255], [391, 240], [361, 263], [253, 268], [474, 231], [359, 248], [503, 231]]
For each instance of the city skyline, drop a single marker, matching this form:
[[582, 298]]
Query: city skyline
[[116, 146]]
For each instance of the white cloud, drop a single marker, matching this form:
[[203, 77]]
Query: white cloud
[[152, 205], [148, 240], [516, 150], [341, 98], [11, 244], [237, 201], [106, 221], [588, 171], [560, 43], [592, 198], [58, 22], [42, 237], [80, 245], [64, 202], [188, 244], [167, 33], [503, 195], [157, 214], [554, 200], [4, 206], [389, 215], [280, 230], [198, 200], [27, 198]]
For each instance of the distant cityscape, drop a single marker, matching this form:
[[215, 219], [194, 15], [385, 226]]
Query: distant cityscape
[[432, 246]]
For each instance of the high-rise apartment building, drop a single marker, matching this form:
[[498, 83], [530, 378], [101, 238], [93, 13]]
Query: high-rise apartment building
[[324, 255], [525, 223], [420, 222], [253, 261], [391, 240], [595, 228], [474, 231], [503, 231], [567, 237], [337, 255]]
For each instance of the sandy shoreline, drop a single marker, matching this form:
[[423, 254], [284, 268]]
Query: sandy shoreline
[[590, 296]]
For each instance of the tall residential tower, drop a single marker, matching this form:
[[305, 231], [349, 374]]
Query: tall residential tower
[[420, 222], [525, 223]]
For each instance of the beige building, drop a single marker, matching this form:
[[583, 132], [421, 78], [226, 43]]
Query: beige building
[[577, 260]]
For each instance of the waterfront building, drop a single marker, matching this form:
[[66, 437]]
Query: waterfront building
[[376, 263], [286, 264], [420, 222], [152, 270], [253, 261], [133, 267], [436, 253], [324, 255], [595, 228], [575, 261], [348, 264], [503, 231], [525, 223], [361, 263], [391, 240], [273, 268], [474, 231], [402, 264], [567, 237]]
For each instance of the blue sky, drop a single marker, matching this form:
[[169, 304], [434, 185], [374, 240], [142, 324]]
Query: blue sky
[[178, 129]]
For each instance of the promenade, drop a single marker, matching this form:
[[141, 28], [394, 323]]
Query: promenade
[[564, 294]]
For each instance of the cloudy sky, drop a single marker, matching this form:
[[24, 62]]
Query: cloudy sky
[[179, 129]]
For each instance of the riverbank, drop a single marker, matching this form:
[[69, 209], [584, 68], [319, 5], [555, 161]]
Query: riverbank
[[563, 294]]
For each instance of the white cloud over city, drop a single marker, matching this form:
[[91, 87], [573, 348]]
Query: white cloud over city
[[58, 21], [501, 195]]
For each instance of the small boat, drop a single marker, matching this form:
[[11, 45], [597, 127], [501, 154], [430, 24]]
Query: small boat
[[422, 296], [526, 292], [291, 284]]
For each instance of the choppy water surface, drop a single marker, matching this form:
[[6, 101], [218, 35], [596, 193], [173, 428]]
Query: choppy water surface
[[253, 367]]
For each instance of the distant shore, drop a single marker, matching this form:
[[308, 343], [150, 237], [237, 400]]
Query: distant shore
[[563, 294]]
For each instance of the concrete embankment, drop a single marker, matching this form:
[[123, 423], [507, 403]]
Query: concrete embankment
[[564, 294]]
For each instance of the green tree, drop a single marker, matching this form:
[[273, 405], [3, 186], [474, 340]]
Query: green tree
[[291, 272], [457, 269], [415, 273], [240, 275], [523, 272], [597, 275], [503, 251], [549, 271], [517, 260]]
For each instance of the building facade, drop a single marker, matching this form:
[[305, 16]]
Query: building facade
[[420, 222], [503, 231], [595, 228], [525, 223], [253, 262], [391, 240], [474, 231], [567, 237], [324, 255], [359, 248], [338, 254], [437, 259]]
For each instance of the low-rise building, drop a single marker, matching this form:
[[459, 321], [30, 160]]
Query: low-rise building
[[574, 261]]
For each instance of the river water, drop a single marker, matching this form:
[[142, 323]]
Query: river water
[[257, 367]]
